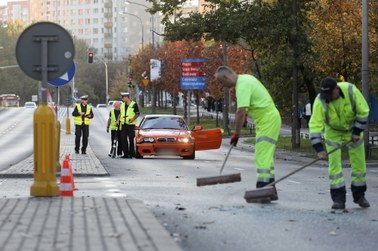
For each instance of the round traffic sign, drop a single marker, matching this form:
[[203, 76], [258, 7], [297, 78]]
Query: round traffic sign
[[65, 78], [60, 50]]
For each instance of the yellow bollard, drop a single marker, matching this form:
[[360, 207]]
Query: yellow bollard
[[58, 166], [44, 153], [68, 126]]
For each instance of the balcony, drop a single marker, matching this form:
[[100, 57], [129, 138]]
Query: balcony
[[108, 44], [108, 14], [108, 35], [108, 5], [108, 25]]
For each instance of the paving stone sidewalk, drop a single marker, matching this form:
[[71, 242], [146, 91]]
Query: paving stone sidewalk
[[80, 223], [82, 164]]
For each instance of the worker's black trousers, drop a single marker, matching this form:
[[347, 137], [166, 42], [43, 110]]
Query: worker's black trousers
[[116, 135], [128, 135], [81, 131]]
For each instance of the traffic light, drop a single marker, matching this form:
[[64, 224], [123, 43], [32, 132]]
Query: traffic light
[[90, 57]]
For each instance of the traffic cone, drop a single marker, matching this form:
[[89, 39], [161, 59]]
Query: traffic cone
[[71, 173], [66, 184]]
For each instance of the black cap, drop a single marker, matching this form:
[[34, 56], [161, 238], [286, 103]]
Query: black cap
[[326, 87]]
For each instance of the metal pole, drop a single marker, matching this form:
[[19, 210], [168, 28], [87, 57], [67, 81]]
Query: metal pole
[[365, 64], [295, 132], [44, 70], [106, 82], [225, 95]]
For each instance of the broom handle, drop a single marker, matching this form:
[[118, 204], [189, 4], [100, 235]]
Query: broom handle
[[309, 164], [225, 159]]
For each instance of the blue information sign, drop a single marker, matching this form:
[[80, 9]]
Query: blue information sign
[[65, 78], [193, 78]]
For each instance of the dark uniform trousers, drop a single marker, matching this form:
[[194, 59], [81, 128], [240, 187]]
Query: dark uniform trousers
[[81, 130], [128, 135]]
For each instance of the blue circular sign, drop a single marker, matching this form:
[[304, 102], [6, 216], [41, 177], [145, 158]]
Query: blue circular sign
[[65, 78]]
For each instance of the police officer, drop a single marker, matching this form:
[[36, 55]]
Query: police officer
[[82, 116], [115, 128], [128, 119], [254, 100], [341, 112]]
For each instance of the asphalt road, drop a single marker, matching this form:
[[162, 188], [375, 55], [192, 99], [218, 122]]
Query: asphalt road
[[217, 217]]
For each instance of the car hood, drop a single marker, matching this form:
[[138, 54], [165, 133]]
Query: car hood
[[163, 133]]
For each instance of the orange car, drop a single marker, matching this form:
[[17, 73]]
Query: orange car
[[170, 135]]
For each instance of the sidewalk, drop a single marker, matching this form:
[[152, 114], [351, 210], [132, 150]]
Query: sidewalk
[[78, 223], [83, 165]]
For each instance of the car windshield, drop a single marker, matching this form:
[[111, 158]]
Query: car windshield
[[175, 123]]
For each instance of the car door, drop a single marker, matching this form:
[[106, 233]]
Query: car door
[[207, 139]]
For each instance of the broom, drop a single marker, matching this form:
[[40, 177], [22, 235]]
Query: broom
[[269, 192], [228, 178]]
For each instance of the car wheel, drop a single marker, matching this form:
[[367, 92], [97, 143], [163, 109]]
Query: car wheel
[[193, 156], [137, 155]]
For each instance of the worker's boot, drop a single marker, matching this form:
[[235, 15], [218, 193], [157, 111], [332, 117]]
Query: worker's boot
[[338, 196], [359, 196]]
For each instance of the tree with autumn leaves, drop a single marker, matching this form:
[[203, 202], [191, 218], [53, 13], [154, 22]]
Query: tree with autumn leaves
[[327, 41]]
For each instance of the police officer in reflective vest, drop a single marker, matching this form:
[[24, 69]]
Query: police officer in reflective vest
[[254, 100], [341, 112], [115, 129], [82, 116], [128, 118]]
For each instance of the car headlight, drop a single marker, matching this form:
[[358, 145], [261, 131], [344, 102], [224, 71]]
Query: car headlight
[[147, 140], [184, 140]]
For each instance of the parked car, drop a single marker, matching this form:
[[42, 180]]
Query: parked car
[[111, 102], [30, 105], [101, 106], [169, 135]]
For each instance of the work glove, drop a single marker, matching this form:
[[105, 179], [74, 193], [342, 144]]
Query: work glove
[[234, 139]]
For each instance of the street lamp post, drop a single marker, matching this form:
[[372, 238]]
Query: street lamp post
[[152, 19], [106, 83], [141, 22]]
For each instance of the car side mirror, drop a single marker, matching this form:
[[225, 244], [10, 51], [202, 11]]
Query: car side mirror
[[197, 128]]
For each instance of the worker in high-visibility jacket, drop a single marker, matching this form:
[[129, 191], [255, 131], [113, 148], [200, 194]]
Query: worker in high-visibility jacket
[[115, 130], [128, 119], [82, 117], [341, 112], [254, 100]]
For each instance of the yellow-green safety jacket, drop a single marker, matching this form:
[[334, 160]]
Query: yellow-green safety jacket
[[349, 113], [113, 120], [130, 113], [78, 119]]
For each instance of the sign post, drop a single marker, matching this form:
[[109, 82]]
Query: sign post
[[45, 51]]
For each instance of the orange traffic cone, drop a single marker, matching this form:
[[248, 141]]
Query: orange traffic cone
[[66, 188], [71, 173]]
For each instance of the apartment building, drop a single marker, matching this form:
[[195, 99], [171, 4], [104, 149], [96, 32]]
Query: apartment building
[[111, 28], [15, 10]]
